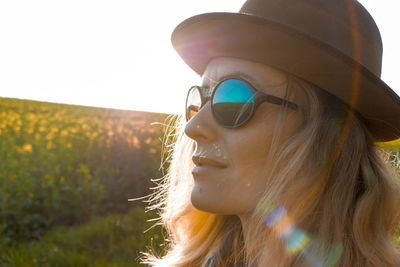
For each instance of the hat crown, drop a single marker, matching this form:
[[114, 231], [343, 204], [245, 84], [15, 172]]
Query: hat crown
[[333, 44], [345, 25]]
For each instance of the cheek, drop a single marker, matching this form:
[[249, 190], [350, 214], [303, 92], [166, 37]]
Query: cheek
[[247, 178], [249, 152]]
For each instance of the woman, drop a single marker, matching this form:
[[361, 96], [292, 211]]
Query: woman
[[275, 163]]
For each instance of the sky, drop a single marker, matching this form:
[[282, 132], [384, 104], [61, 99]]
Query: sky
[[118, 53]]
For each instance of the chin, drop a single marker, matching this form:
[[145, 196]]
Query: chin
[[209, 202], [202, 200]]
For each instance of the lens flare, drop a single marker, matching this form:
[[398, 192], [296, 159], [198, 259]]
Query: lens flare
[[334, 256], [298, 241], [275, 216]]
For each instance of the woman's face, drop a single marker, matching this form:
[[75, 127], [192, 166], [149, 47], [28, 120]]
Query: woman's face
[[235, 185]]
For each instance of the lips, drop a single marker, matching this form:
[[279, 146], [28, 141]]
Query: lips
[[207, 162]]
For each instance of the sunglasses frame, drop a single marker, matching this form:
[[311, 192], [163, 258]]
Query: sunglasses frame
[[258, 96]]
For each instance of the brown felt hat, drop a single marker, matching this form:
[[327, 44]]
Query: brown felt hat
[[335, 45]]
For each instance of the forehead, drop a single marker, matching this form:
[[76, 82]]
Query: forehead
[[263, 77]]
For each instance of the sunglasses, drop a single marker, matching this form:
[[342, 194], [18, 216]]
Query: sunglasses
[[233, 101]]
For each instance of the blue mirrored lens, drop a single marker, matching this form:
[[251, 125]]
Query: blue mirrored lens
[[233, 102]]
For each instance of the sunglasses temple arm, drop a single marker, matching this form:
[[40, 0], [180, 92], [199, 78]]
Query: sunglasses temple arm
[[277, 101]]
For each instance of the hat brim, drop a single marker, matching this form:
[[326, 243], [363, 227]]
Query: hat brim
[[204, 37]]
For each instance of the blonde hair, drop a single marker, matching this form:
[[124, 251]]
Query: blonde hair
[[328, 184]]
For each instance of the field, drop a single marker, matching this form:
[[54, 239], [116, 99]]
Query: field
[[63, 165], [66, 173]]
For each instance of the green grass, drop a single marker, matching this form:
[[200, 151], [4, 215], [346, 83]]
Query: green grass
[[114, 240]]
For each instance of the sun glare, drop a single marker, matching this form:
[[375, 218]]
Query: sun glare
[[116, 54]]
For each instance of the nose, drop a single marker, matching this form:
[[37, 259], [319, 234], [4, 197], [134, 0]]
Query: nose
[[202, 126]]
